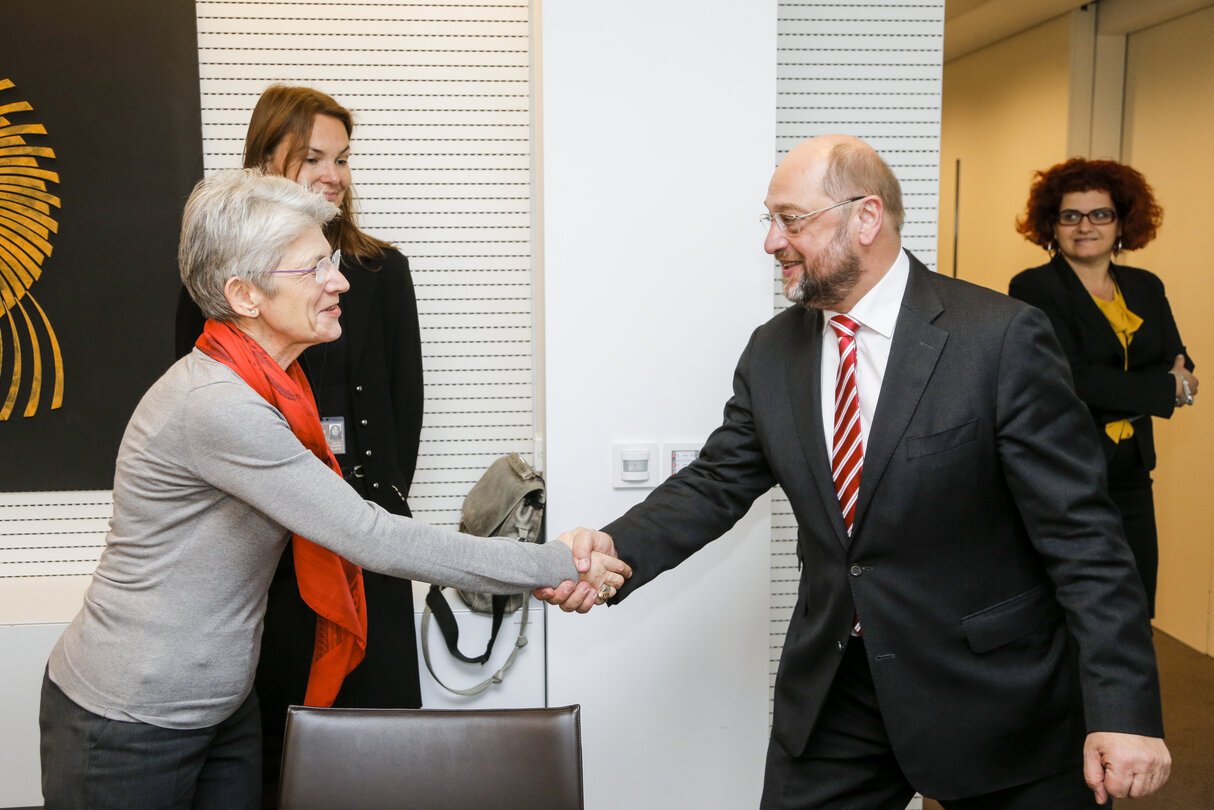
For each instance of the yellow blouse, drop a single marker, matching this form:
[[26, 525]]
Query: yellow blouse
[[1125, 324]]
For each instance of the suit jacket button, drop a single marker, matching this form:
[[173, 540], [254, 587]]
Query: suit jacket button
[[363, 422], [375, 485], [855, 570]]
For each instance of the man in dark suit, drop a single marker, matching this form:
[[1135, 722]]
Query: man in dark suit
[[969, 622]]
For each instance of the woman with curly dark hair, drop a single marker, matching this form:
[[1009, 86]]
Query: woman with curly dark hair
[[1113, 321]]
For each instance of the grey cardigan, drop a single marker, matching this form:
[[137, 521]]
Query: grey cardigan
[[209, 481]]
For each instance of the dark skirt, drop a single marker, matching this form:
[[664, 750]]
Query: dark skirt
[[1130, 489]]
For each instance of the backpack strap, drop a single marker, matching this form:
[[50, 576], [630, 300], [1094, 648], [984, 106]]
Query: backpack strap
[[437, 604], [497, 676], [508, 501]]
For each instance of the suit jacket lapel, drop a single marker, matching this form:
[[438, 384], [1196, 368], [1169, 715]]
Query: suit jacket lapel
[[913, 355], [804, 373], [1085, 308], [1138, 301]]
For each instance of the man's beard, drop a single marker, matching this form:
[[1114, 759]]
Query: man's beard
[[826, 280]]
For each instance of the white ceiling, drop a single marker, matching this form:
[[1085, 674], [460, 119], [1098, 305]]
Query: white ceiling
[[955, 8], [973, 24]]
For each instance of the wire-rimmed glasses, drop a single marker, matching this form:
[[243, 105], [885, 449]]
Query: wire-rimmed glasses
[[793, 223], [320, 271]]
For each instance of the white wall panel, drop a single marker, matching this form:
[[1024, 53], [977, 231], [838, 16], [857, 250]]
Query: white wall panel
[[442, 167], [873, 70], [441, 160], [49, 545], [657, 134]]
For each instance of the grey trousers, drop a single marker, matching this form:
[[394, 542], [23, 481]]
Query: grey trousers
[[99, 764]]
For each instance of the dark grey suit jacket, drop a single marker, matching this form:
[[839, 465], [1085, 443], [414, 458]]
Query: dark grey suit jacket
[[982, 537]]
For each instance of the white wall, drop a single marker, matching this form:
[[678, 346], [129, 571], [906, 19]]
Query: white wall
[[658, 139], [1167, 138], [24, 649]]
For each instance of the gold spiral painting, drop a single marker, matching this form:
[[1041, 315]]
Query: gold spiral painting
[[26, 228]]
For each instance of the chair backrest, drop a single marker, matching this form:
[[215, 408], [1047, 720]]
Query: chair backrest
[[462, 759]]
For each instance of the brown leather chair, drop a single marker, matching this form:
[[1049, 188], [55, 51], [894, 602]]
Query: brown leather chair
[[464, 759]]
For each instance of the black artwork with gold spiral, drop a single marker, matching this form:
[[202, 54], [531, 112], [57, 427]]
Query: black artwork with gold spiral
[[31, 363], [100, 143]]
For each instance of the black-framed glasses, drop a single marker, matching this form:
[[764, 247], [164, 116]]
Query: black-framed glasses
[[320, 271], [793, 223], [1097, 216]]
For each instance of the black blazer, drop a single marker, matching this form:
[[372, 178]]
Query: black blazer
[[1104, 383], [981, 538]]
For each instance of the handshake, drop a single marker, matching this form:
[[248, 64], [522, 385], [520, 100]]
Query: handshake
[[601, 573]]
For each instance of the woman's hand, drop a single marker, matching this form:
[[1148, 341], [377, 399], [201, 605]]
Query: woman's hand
[[1186, 383], [606, 575]]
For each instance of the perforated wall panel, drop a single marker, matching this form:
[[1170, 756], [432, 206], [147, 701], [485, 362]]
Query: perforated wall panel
[[441, 161], [872, 70], [442, 167]]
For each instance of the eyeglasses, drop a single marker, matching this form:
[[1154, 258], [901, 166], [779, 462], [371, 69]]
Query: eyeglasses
[[794, 223], [1097, 216], [320, 271]]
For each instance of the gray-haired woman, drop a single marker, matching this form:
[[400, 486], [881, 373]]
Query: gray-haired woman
[[148, 698]]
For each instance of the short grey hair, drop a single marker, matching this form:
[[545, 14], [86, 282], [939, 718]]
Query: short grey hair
[[240, 223]]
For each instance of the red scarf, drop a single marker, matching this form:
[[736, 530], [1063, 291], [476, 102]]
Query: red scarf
[[331, 585]]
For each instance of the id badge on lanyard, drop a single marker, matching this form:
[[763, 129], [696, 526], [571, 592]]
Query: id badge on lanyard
[[335, 433]]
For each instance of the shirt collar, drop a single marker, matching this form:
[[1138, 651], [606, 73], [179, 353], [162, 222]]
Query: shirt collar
[[878, 309]]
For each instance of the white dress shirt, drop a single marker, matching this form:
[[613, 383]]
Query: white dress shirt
[[877, 314]]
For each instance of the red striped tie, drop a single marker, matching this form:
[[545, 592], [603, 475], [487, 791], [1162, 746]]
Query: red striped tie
[[847, 456]]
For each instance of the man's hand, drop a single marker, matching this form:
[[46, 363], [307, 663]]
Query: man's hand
[[580, 596], [1124, 765]]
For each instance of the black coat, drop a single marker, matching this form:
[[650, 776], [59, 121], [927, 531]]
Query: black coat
[[371, 376], [1098, 362], [982, 542]]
